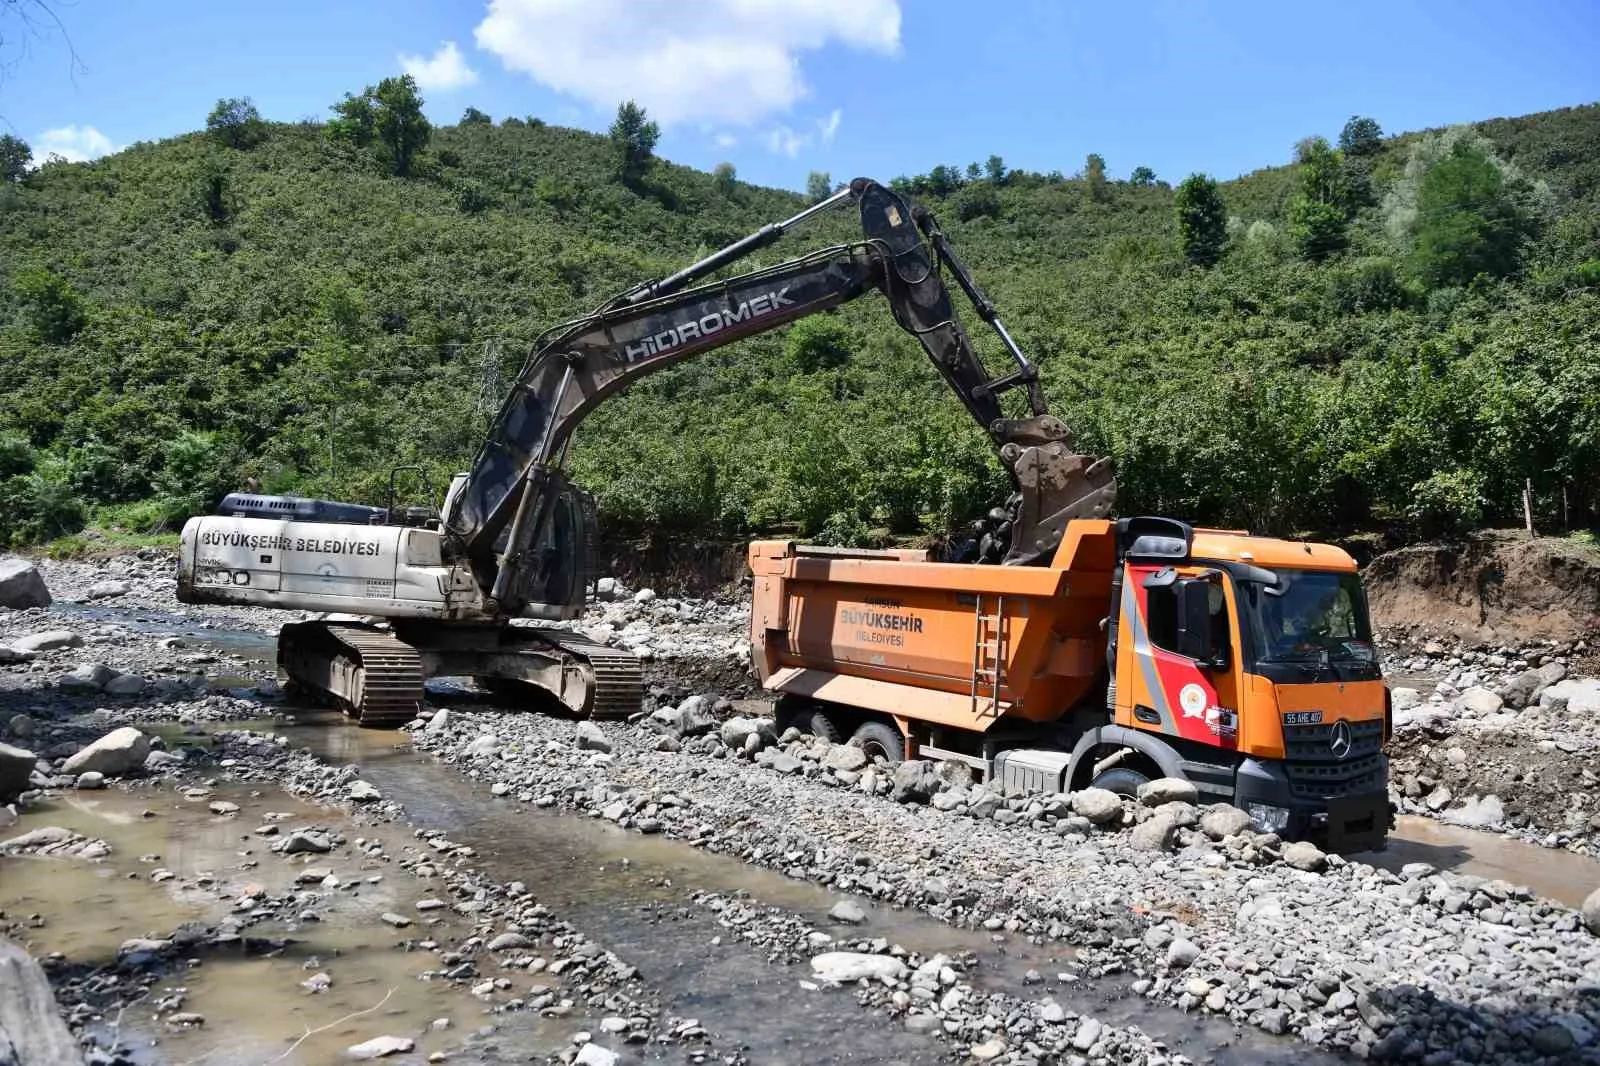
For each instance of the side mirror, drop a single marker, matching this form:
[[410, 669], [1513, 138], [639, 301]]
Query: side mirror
[[1195, 633]]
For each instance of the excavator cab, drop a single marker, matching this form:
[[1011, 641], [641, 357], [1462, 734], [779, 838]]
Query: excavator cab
[[561, 561]]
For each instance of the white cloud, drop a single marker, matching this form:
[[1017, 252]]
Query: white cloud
[[75, 144], [829, 126], [443, 71], [725, 140], [733, 61]]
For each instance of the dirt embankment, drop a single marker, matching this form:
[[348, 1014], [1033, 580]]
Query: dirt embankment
[[1496, 586]]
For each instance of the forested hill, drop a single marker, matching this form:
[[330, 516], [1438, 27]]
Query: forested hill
[[1392, 333]]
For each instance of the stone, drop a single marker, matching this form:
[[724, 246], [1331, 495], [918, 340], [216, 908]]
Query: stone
[[306, 840], [1224, 820], [1478, 813], [1403, 699], [840, 967], [592, 1054], [1052, 1013], [86, 677], [1168, 790], [983, 803], [509, 942], [989, 1049], [1591, 912], [605, 588], [380, 1046], [16, 766], [317, 982], [31, 1027], [1576, 697], [591, 737], [1088, 1034], [1181, 954], [108, 589], [644, 596], [221, 806], [692, 718], [1304, 855], [360, 791], [118, 752], [124, 685], [848, 911], [313, 875], [49, 640], [485, 745], [91, 779], [8, 654], [913, 782], [1477, 701], [439, 722], [399, 921], [21, 585], [1153, 834], [736, 730], [1100, 805], [845, 757]]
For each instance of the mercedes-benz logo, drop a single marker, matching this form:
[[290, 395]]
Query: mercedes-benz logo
[[1340, 741]]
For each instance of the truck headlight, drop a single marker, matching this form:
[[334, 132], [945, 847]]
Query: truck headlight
[[1268, 819]]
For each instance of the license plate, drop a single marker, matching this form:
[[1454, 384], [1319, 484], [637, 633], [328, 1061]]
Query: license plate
[[1302, 718]]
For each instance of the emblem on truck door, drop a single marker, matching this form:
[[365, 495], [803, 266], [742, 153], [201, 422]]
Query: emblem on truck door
[[1340, 741]]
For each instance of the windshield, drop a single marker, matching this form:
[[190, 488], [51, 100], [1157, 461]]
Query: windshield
[[1309, 616]]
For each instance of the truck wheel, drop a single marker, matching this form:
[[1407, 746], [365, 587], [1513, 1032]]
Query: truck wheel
[[880, 740], [819, 724], [1122, 781]]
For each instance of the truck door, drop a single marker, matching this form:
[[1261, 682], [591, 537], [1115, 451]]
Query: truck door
[[1178, 661]]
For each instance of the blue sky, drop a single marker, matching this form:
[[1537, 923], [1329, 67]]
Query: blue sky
[[783, 87]]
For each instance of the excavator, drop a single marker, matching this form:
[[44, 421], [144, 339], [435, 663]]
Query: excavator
[[407, 593]]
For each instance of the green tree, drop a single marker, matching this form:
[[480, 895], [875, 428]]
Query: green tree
[[15, 155], [974, 172], [1319, 215], [995, 170], [474, 117], [1202, 220], [1468, 221], [724, 177], [819, 343], [819, 186], [355, 120], [978, 200], [53, 306], [401, 128], [943, 180], [1360, 136], [1094, 174], [236, 123], [633, 142], [211, 189], [1142, 176]]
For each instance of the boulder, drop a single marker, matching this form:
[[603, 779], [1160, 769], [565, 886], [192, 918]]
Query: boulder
[[438, 723], [8, 654], [644, 596], [605, 588], [1224, 820], [692, 718], [592, 1054], [737, 730], [1100, 805], [91, 779], [848, 912], [21, 587], [1304, 855], [16, 766], [1153, 834], [1476, 702], [109, 589], [86, 677], [1168, 790], [31, 1030], [983, 803], [118, 752], [1478, 813], [914, 782], [591, 737], [49, 640], [1591, 912], [845, 757], [360, 791], [380, 1046], [487, 744], [1572, 695], [1403, 699], [124, 685], [1520, 690], [839, 967]]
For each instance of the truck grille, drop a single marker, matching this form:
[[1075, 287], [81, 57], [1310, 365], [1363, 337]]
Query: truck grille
[[1315, 772]]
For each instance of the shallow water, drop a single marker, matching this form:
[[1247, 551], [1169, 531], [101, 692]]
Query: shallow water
[[1558, 875]]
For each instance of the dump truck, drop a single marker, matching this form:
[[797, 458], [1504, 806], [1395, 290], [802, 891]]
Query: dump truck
[[1142, 648]]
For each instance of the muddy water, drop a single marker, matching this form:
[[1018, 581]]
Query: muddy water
[[256, 1009], [1558, 875]]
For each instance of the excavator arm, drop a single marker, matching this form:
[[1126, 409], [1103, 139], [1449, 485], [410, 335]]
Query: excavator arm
[[515, 485]]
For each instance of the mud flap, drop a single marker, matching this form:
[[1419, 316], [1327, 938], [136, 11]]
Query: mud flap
[[1358, 823]]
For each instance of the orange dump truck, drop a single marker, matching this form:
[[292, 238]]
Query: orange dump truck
[[1145, 648]]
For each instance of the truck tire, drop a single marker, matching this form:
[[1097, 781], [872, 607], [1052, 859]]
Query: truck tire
[[880, 740], [1122, 781], [820, 724]]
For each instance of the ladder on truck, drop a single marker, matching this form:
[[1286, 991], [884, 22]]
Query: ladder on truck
[[988, 658]]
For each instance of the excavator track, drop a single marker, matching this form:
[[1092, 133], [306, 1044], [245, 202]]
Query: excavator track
[[616, 677], [372, 674]]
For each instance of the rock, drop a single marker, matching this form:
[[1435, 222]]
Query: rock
[[983, 803], [989, 1049], [691, 718], [1181, 954], [1577, 697], [1224, 820], [118, 752], [913, 782], [1478, 813], [737, 730], [487, 744], [157, 761], [360, 791], [1520, 690], [16, 766], [605, 588], [124, 685], [1088, 1034], [644, 596], [1168, 790], [1477, 701], [1153, 834], [1591, 912], [839, 967], [317, 982], [1100, 805], [31, 1029], [91, 779], [313, 875], [848, 911], [1552, 1039], [219, 806], [439, 722], [1304, 855], [8, 816], [8, 654], [44, 836], [381, 1046], [1052, 1013], [1403, 699], [509, 942], [49, 640], [845, 757], [108, 589], [591, 737], [593, 1054], [21, 586], [86, 677], [306, 840], [399, 921]]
